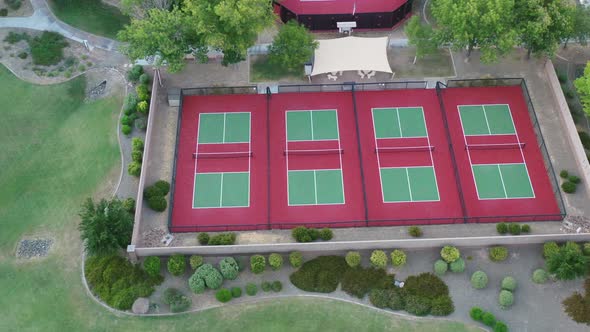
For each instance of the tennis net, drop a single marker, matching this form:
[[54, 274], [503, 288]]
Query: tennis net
[[209, 155], [497, 146], [405, 149], [312, 152]]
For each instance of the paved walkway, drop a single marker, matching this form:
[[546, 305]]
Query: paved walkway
[[43, 19]]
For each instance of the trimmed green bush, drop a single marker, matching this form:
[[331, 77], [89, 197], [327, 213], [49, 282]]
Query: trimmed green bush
[[196, 284], [322, 274], [275, 261], [157, 203], [130, 104], [229, 268], [276, 286], [143, 107], [573, 246], [500, 327], [152, 265], [398, 257], [251, 289], [479, 280], [396, 299], [426, 285], [144, 78], [143, 94], [379, 259], [236, 292], [574, 179], [296, 259], [152, 191], [476, 313], [257, 264], [379, 298], [568, 187], [514, 229], [457, 266], [326, 234], [540, 276], [210, 275], [195, 261], [223, 295], [509, 284], [203, 239], [134, 73], [488, 319], [126, 129], [353, 258], [129, 204], [222, 239], [164, 187], [502, 228], [415, 231], [440, 267], [505, 299], [136, 144], [359, 281], [176, 264], [525, 228], [498, 253], [137, 156], [450, 254], [304, 234], [550, 248], [442, 306], [564, 174], [266, 286], [417, 305]]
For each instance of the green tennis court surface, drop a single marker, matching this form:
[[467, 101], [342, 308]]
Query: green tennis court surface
[[486, 120], [315, 187], [399, 122], [214, 190], [312, 125], [224, 128], [500, 181], [409, 184]]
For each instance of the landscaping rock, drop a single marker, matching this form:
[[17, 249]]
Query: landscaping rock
[[576, 224], [141, 306], [33, 248]]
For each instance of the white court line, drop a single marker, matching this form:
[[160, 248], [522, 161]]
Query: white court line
[[311, 123], [521, 150], [221, 192], [341, 163], [468, 153], [399, 123], [196, 159], [502, 180], [409, 187], [431, 157], [377, 153], [287, 156], [485, 115], [315, 187]]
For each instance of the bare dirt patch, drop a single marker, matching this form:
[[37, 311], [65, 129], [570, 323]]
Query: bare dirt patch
[[26, 9]]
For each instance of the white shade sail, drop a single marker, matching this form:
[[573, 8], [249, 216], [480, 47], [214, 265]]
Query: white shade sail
[[351, 53]]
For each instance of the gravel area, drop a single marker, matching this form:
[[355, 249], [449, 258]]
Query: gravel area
[[33, 248]]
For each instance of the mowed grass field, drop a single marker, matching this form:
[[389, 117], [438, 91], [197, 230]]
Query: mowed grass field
[[56, 150], [92, 16]]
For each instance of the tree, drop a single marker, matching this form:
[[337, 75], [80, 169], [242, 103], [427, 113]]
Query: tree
[[568, 263], [582, 85], [542, 24], [105, 227], [167, 35], [292, 47], [231, 26], [421, 36], [140, 8], [580, 31], [468, 24]]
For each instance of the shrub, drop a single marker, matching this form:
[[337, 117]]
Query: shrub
[[164, 187], [417, 305], [144, 78], [509, 284], [550, 248], [257, 264], [540, 276], [137, 156], [440, 267], [500, 327], [170, 294], [476, 313], [426, 285], [203, 239], [562, 77], [398, 257], [210, 275], [143, 93], [577, 306], [525, 228], [326, 234], [568, 263], [457, 266], [568, 187], [152, 191], [3, 12], [353, 258], [564, 174], [196, 284], [195, 261], [586, 248], [129, 205], [514, 229], [136, 144], [479, 280], [251, 289], [176, 265], [498, 253], [505, 299], [23, 55], [47, 49], [105, 233], [236, 292], [572, 178], [275, 261], [379, 298], [141, 123], [488, 319], [143, 107], [223, 295], [322, 274], [502, 228], [13, 37], [379, 259], [266, 286], [222, 239], [442, 306], [229, 268], [276, 286], [296, 259], [151, 265], [178, 302], [359, 281], [396, 300], [134, 73], [415, 231], [157, 203], [126, 129], [585, 138], [13, 4], [450, 254]]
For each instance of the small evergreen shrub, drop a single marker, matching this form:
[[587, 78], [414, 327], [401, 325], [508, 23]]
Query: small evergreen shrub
[[396, 300], [275, 261], [276, 286], [550, 248], [476, 313], [257, 264], [398, 257], [498, 253], [23, 55], [568, 187], [210, 275], [152, 265], [164, 187], [379, 259], [505, 299], [321, 274], [223, 295], [509, 284], [229, 268], [176, 265], [143, 107], [143, 94], [137, 156], [540, 276], [203, 239], [223, 239], [479, 280], [196, 284], [417, 305], [571, 178], [134, 168], [236, 292], [144, 78], [136, 144], [326, 234], [359, 281], [586, 248], [457, 266], [502, 228], [379, 298], [500, 327], [177, 301], [134, 73], [152, 191], [296, 259], [440, 267], [251, 289], [195, 261], [266, 286], [353, 258], [126, 129], [129, 205], [442, 306], [450, 254], [157, 203], [564, 174], [304, 234], [415, 231], [514, 229], [488, 319], [525, 228]]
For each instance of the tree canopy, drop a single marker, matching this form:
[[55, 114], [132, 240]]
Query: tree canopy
[[292, 47], [580, 31], [421, 36], [582, 85], [568, 263]]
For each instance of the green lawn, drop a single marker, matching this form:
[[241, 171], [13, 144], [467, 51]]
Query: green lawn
[[92, 16], [56, 150]]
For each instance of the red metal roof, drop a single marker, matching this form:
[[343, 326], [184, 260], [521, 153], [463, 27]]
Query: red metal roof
[[311, 7]]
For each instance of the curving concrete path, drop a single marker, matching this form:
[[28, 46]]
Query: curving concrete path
[[44, 19]]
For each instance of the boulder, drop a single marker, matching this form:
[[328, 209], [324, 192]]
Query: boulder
[[141, 306]]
